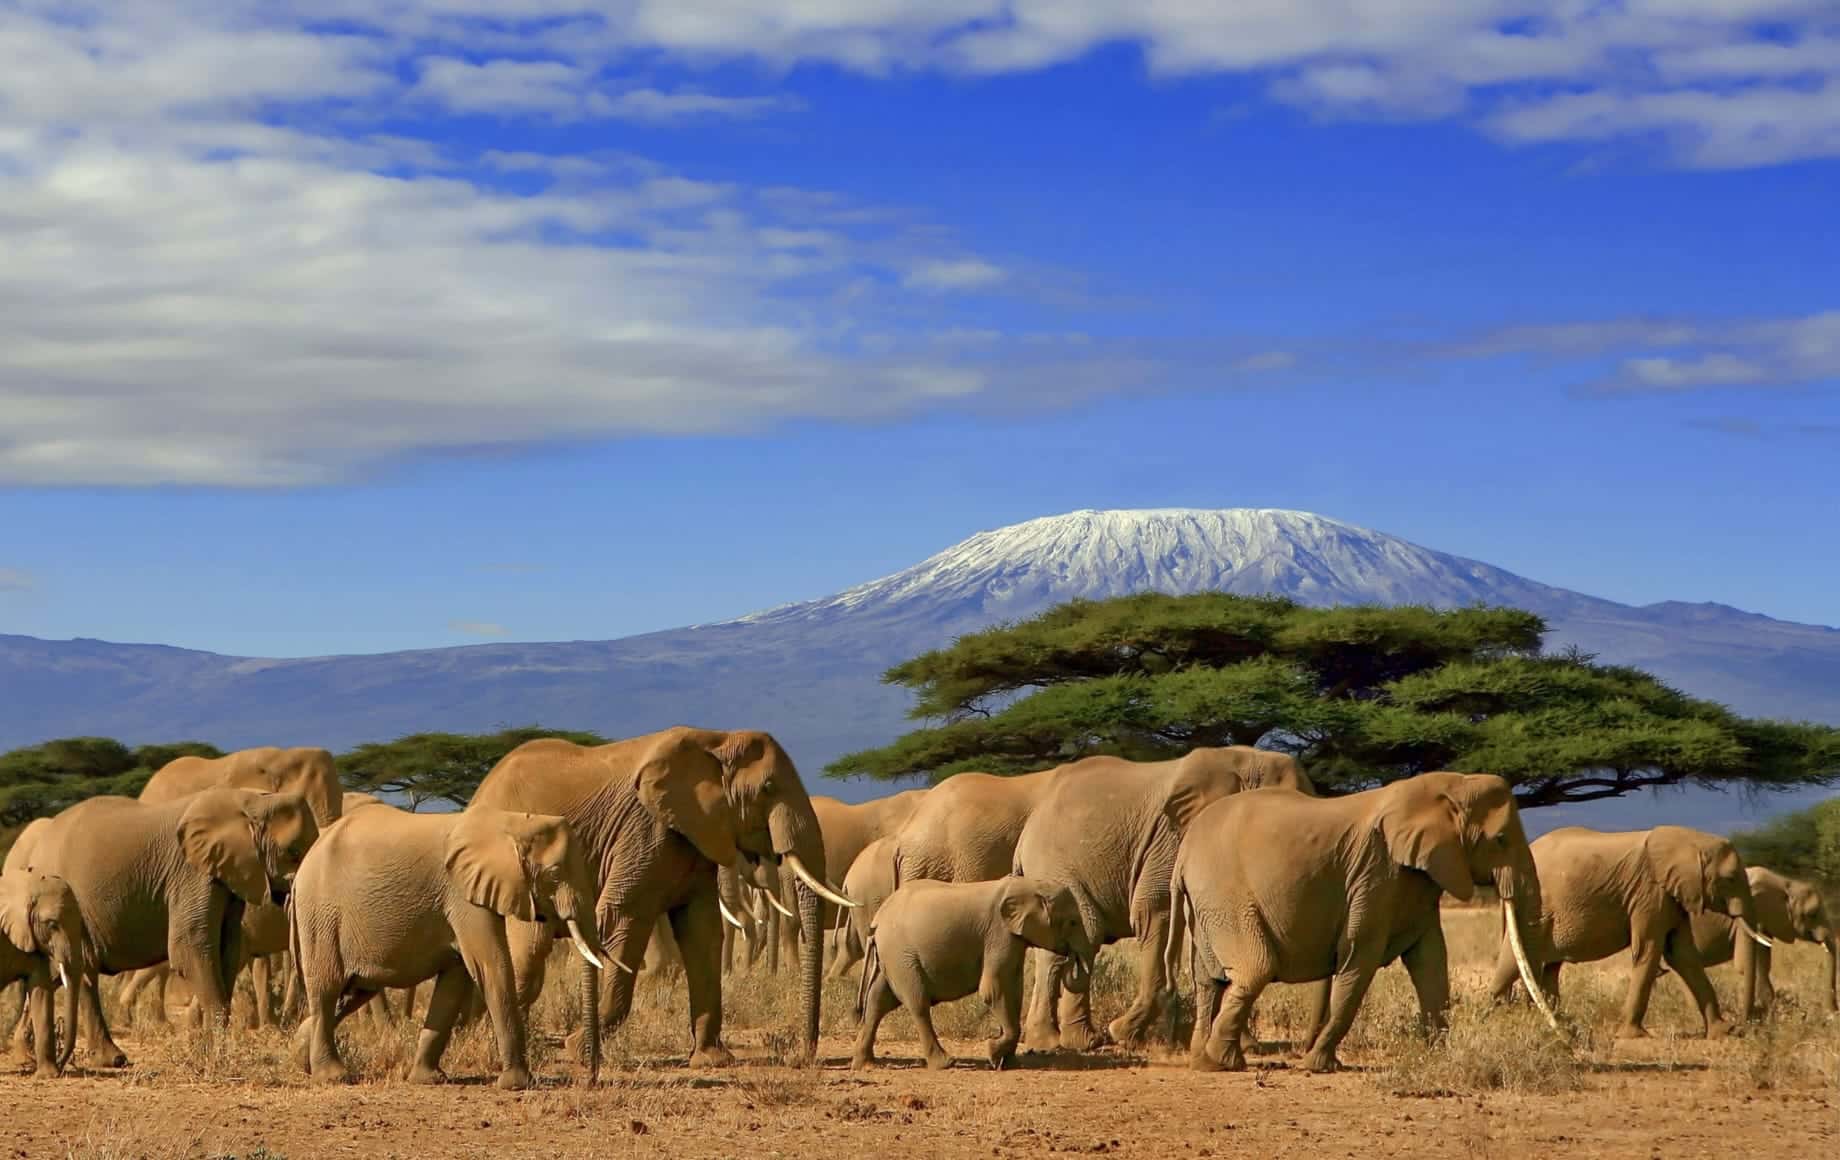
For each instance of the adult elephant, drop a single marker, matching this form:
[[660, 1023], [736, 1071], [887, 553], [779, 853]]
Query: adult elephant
[[1108, 829], [1282, 888], [303, 770], [1104, 827], [1640, 890], [869, 882], [1788, 910], [391, 899], [169, 882], [654, 817]]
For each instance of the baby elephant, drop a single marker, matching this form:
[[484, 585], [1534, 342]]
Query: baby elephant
[[932, 942]]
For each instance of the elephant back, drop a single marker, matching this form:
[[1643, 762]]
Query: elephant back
[[966, 828]]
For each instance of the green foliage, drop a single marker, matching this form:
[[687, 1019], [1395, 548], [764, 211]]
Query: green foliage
[[41, 780], [1803, 844], [428, 767], [1361, 695]]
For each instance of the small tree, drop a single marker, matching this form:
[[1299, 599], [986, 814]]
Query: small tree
[[439, 767], [1362, 695], [1803, 844]]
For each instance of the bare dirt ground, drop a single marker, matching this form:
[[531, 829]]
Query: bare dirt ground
[[1500, 1084]]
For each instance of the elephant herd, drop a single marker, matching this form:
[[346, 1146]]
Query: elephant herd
[[686, 842]]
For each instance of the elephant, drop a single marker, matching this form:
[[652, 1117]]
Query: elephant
[[1788, 910], [655, 817], [44, 946], [390, 898], [848, 828], [1280, 887], [869, 882], [265, 934], [1636, 889], [1103, 826], [932, 942], [308, 772], [169, 881], [1108, 829]]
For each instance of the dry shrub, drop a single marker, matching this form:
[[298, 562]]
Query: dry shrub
[[1485, 1049]]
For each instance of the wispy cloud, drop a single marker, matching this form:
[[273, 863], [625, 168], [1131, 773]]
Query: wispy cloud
[[476, 628], [17, 580], [1677, 356], [954, 274]]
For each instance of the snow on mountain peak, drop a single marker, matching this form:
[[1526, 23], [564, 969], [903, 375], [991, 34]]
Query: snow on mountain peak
[[1019, 570]]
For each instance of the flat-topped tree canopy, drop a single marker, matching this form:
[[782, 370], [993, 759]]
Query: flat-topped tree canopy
[[1362, 695]]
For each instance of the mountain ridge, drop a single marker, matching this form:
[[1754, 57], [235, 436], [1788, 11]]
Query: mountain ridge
[[809, 670]]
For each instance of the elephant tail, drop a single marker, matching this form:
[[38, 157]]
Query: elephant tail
[[293, 924], [871, 969], [1180, 918]]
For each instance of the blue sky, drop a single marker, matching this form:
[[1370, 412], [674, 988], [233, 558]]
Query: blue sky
[[329, 328]]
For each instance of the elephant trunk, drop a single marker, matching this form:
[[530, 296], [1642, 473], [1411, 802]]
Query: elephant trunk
[[797, 841], [591, 1021], [73, 966], [1830, 997]]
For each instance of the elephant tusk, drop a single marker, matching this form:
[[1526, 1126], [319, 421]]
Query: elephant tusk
[[728, 915], [1757, 937], [63, 975], [816, 887], [581, 944], [776, 904], [1520, 960]]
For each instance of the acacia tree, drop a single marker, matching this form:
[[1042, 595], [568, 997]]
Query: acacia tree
[[440, 767], [38, 781], [1362, 695]]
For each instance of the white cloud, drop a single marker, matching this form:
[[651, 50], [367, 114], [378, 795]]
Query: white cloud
[[17, 580], [476, 628], [954, 274]]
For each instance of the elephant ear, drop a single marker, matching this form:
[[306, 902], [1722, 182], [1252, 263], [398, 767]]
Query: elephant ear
[[1426, 833], [219, 840], [1197, 784], [1678, 861], [1022, 907], [490, 857], [16, 910], [684, 787]]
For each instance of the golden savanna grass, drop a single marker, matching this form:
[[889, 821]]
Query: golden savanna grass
[[652, 1105]]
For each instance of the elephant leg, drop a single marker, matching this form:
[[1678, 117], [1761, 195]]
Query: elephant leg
[[877, 1003], [1763, 991], [22, 1026], [728, 949], [1549, 982], [44, 1035], [936, 1057], [1001, 990], [1043, 1029], [488, 962], [259, 983], [772, 940], [1644, 966], [1226, 1038], [1208, 991], [1345, 995], [1153, 984], [1507, 974], [452, 988], [1074, 1011], [530, 945], [131, 990], [1317, 1002], [698, 927], [101, 1046], [321, 1028], [1683, 956], [1427, 963]]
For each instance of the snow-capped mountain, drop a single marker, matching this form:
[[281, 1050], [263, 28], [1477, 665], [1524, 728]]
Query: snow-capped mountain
[[808, 671], [1022, 569]]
